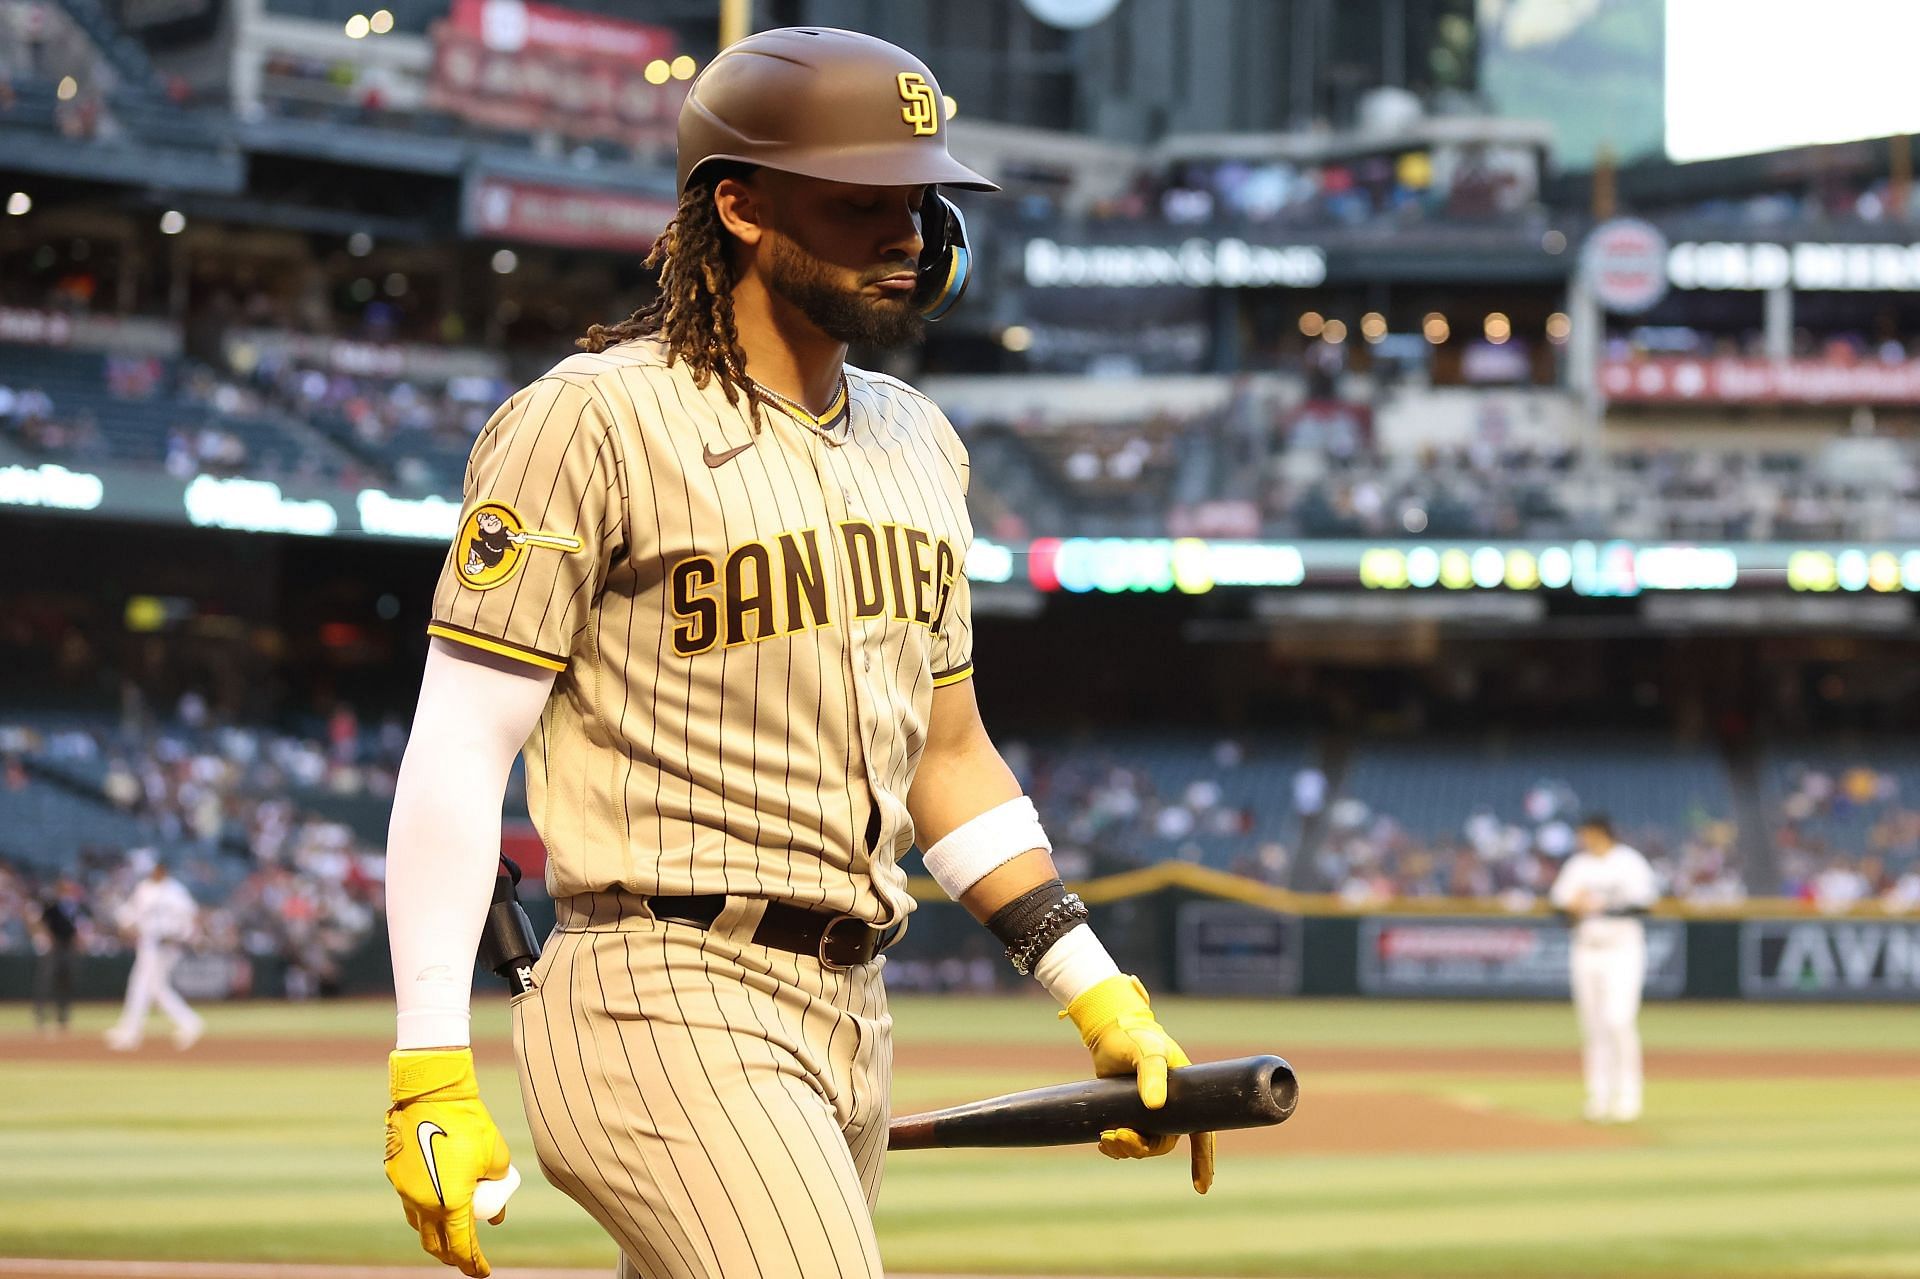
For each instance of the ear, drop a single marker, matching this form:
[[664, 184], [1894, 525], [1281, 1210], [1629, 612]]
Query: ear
[[742, 209]]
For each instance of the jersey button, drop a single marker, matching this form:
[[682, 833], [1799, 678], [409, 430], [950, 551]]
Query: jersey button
[[869, 663]]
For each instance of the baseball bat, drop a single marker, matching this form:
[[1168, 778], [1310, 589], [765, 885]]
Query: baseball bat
[[1213, 1096]]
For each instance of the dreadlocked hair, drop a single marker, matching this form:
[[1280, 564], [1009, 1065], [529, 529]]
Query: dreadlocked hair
[[693, 312]]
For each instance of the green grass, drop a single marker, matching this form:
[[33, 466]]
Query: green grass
[[165, 1157]]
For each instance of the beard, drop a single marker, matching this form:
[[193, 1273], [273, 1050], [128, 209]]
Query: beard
[[843, 315]]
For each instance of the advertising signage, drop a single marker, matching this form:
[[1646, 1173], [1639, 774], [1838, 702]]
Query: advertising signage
[[1852, 268], [1074, 565], [541, 213], [519, 64], [1687, 380], [1196, 263], [1227, 948], [1522, 958], [1830, 959]]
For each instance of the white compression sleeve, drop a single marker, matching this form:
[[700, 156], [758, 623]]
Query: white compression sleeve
[[444, 840]]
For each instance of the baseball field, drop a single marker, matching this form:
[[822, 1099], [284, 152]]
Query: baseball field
[[1431, 1140]]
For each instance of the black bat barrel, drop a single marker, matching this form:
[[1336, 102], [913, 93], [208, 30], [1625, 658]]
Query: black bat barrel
[[1214, 1096]]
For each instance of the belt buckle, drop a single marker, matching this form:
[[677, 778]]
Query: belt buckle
[[826, 940]]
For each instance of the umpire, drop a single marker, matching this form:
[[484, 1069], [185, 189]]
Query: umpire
[[56, 936]]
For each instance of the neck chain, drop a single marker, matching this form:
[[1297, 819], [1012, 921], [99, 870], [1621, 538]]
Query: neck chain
[[794, 408]]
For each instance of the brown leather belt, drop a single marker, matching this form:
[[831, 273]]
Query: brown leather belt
[[837, 941]]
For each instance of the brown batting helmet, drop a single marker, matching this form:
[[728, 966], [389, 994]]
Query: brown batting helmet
[[822, 103]]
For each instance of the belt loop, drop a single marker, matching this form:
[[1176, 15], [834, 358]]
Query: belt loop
[[739, 918]]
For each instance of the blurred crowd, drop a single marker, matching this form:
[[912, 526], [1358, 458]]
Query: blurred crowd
[[1369, 857], [204, 420], [408, 422], [1201, 803], [1845, 836], [1311, 469], [303, 917], [28, 416], [231, 809], [1473, 182], [212, 783], [1317, 490]]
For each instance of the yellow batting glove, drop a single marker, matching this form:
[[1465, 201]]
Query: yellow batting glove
[[1118, 1026], [441, 1144]]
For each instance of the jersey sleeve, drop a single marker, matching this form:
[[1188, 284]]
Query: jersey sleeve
[[1643, 884], [542, 519], [953, 637]]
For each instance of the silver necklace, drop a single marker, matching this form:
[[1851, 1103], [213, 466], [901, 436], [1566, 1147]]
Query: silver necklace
[[800, 409]]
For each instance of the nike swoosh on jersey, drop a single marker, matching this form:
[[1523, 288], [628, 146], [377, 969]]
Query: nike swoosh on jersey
[[425, 1134], [721, 459]]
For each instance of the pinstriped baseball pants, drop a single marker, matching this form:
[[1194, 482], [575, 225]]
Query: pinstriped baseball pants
[[719, 1107]]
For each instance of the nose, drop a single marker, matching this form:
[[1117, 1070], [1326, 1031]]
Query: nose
[[903, 233]]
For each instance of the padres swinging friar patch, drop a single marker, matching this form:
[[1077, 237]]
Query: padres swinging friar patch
[[494, 543]]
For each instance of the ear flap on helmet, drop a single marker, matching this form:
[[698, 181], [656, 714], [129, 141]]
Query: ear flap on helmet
[[945, 261]]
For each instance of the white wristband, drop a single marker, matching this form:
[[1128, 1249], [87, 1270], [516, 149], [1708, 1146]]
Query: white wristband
[[1074, 965], [983, 844]]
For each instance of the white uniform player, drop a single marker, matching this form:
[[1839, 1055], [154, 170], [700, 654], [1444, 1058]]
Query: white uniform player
[[160, 915], [1605, 888]]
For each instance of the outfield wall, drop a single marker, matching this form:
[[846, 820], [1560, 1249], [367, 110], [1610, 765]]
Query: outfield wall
[[1198, 944], [1201, 932]]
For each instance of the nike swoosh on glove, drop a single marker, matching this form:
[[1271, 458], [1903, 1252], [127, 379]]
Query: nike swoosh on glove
[[441, 1143], [1117, 1024]]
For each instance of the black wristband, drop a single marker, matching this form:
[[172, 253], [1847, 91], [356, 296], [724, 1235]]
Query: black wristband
[[1031, 923], [1013, 921], [1067, 914]]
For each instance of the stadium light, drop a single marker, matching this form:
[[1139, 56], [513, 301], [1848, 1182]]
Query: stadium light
[[1554, 242], [19, 204], [358, 27], [69, 88], [395, 285], [172, 222], [505, 261], [1016, 337], [359, 244], [381, 21], [658, 71], [683, 67], [1311, 323], [1373, 326], [1559, 328], [1334, 333], [1497, 327], [1435, 328], [950, 104]]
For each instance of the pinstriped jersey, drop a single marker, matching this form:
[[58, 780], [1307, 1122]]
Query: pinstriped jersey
[[748, 622]]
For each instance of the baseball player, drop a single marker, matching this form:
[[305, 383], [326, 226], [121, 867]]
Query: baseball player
[[735, 643], [1605, 888], [159, 915]]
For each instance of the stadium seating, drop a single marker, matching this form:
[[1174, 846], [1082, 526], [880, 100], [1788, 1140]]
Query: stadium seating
[[1837, 802], [1211, 798], [136, 429], [1434, 786], [49, 826]]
